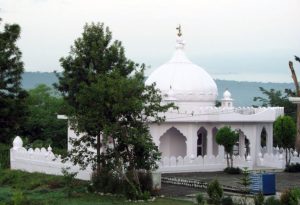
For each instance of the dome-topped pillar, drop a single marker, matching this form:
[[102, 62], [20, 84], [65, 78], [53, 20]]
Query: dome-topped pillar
[[227, 101]]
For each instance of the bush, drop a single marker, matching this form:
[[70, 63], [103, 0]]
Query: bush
[[290, 197], [233, 170], [107, 182], [292, 168], [145, 179], [272, 201], [200, 199], [215, 192], [227, 201], [259, 199], [4, 156]]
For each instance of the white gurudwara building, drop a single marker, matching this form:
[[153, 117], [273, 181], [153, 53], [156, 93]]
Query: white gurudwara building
[[188, 134], [187, 137]]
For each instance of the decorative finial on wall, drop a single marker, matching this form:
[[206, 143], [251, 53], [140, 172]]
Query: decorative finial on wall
[[179, 30]]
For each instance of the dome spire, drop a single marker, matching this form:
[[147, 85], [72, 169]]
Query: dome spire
[[179, 34], [179, 41]]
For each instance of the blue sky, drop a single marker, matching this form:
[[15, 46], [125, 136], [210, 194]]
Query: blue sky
[[249, 40]]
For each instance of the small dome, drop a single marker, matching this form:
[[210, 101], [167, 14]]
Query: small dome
[[17, 143], [189, 82], [226, 95]]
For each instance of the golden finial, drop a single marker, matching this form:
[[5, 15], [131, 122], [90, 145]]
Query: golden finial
[[179, 30]]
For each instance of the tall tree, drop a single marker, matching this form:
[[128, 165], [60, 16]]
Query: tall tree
[[285, 134], [12, 105], [109, 102], [228, 138]]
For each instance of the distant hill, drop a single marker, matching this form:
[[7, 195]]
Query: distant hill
[[242, 92]]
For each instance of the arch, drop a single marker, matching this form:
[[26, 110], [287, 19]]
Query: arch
[[215, 144], [202, 142], [173, 143]]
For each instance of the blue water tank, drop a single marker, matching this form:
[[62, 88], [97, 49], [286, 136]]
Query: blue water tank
[[263, 183]]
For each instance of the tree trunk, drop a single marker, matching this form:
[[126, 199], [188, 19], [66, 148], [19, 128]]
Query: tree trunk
[[227, 158], [231, 161], [98, 154], [294, 77], [286, 157]]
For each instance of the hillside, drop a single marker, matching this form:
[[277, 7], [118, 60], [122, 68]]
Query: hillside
[[242, 92]]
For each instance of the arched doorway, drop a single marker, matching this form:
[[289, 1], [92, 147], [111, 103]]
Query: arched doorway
[[172, 143], [263, 137], [201, 142]]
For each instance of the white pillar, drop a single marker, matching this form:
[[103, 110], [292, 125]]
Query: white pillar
[[209, 147], [191, 140], [269, 130], [242, 145], [221, 151]]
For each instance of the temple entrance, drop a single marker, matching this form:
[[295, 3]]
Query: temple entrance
[[172, 143], [201, 142]]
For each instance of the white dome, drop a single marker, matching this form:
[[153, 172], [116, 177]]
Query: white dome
[[187, 81]]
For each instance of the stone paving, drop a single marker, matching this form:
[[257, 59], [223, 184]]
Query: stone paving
[[283, 181]]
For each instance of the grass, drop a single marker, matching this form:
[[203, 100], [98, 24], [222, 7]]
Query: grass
[[42, 189]]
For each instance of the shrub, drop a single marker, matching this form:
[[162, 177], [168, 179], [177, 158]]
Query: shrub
[[272, 201], [292, 167], [259, 199], [145, 179], [289, 197], [227, 201], [233, 170], [107, 182], [200, 199], [4, 156], [215, 192]]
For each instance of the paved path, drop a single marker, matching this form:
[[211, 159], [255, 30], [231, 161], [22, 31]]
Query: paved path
[[283, 181]]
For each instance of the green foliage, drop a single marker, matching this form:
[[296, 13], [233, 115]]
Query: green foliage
[[69, 181], [272, 201], [232, 170], [276, 98], [107, 182], [12, 107], [200, 199], [4, 156], [245, 182], [215, 192], [259, 199], [294, 167], [227, 201], [285, 134], [108, 101], [290, 197], [27, 181], [18, 198], [52, 192], [227, 137], [42, 125]]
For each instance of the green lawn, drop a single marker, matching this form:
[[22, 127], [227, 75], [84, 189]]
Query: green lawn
[[41, 189]]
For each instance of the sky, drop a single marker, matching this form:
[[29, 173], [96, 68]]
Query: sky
[[244, 40]]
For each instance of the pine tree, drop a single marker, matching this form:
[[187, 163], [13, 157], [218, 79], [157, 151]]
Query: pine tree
[[12, 105]]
